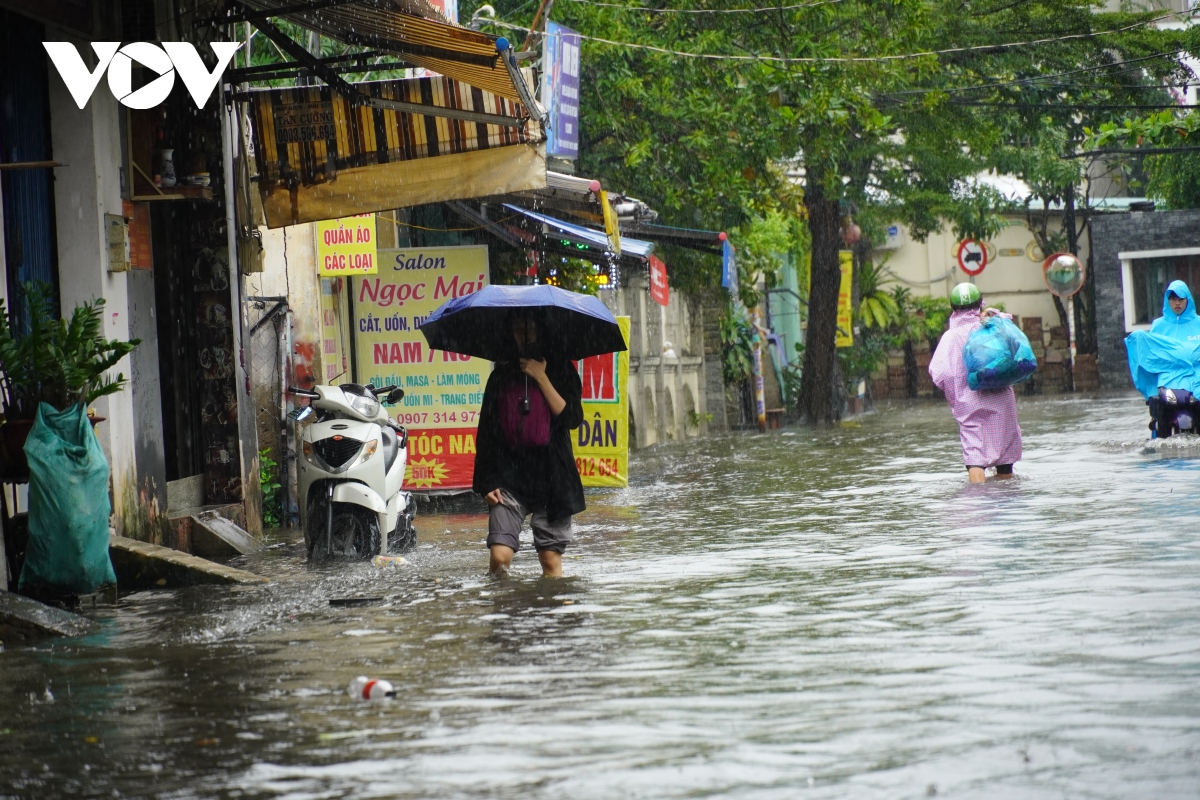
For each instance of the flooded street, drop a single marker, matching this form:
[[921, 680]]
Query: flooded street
[[827, 614]]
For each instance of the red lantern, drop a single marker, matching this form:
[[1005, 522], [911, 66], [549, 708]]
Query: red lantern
[[851, 233]]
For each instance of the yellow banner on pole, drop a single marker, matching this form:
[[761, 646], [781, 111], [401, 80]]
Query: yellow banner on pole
[[612, 227], [601, 443], [845, 313], [346, 246]]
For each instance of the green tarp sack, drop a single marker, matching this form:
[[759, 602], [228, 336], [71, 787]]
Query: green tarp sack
[[68, 505]]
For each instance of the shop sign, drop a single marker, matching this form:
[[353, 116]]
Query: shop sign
[[309, 121], [333, 329], [346, 246], [728, 267], [601, 443], [560, 90], [443, 391], [660, 290], [845, 309]]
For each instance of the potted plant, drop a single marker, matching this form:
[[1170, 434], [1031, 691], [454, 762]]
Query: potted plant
[[58, 361]]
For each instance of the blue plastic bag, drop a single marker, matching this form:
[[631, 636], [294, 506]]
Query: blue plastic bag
[[997, 355], [68, 505]]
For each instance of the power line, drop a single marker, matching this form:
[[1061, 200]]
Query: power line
[[845, 59], [1019, 81], [764, 10], [1101, 107], [1148, 151]]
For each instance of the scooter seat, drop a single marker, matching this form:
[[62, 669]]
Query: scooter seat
[[391, 448]]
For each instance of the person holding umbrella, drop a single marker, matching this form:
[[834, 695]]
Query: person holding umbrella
[[524, 466]]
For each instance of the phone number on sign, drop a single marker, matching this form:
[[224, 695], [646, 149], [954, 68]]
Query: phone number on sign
[[422, 417], [603, 467], [455, 416]]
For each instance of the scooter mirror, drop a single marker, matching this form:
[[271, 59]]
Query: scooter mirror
[[300, 413], [395, 395]]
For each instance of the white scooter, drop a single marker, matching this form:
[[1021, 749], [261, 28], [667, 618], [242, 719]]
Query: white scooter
[[350, 469]]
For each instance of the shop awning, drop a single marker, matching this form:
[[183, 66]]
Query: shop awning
[[319, 157], [413, 30], [630, 248], [579, 197], [704, 241]]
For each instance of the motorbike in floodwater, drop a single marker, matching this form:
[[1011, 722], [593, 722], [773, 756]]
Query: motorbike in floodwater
[[1173, 411], [350, 469]]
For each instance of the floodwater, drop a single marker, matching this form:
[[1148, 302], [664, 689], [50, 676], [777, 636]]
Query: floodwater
[[792, 615]]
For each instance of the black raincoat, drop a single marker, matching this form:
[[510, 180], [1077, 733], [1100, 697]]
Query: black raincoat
[[501, 466]]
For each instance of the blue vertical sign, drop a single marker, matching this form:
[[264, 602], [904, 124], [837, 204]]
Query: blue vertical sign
[[560, 90], [728, 267]]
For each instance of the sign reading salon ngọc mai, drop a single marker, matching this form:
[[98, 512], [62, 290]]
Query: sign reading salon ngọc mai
[[443, 391]]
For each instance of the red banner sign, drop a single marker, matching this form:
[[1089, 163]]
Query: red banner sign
[[660, 291]]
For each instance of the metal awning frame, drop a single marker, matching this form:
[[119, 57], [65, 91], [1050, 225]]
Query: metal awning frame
[[545, 241], [504, 54], [327, 73], [354, 62]]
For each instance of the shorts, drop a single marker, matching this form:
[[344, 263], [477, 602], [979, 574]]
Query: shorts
[[506, 520], [1001, 469]]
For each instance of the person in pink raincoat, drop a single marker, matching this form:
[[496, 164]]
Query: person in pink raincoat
[[987, 420]]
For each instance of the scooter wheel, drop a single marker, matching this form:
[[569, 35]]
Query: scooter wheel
[[355, 535]]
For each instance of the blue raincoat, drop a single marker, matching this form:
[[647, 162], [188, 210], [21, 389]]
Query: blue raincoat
[[1168, 355]]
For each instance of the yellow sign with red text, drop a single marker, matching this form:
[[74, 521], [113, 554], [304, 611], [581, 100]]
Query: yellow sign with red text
[[346, 246], [601, 443], [845, 309], [443, 391]]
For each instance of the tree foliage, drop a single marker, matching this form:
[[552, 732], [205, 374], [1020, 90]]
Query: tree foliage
[[1171, 177], [899, 107]]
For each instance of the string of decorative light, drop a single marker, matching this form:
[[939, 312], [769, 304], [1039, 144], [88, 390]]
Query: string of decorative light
[[846, 59]]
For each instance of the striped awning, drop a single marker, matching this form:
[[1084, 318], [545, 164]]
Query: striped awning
[[412, 30], [311, 143]]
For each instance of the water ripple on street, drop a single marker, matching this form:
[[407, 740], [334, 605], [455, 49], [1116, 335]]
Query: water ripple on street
[[826, 614]]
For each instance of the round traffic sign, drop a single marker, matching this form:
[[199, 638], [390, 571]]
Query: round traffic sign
[[972, 256]]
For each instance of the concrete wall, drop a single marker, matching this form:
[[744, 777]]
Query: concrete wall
[[1117, 233], [668, 400], [290, 341], [1013, 275], [290, 270], [89, 186]]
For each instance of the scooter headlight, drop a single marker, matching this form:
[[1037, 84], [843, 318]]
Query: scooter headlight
[[367, 406]]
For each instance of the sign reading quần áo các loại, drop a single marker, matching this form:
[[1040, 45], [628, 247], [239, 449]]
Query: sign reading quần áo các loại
[[346, 246]]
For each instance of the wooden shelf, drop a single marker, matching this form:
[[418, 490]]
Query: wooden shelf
[[140, 144], [175, 193]]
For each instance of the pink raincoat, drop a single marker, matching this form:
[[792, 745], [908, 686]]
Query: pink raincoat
[[987, 420]]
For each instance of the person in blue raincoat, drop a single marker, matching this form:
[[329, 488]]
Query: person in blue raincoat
[[1165, 361]]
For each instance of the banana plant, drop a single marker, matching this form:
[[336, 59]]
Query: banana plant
[[876, 307]]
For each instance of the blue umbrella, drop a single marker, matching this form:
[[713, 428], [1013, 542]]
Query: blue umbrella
[[479, 324]]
